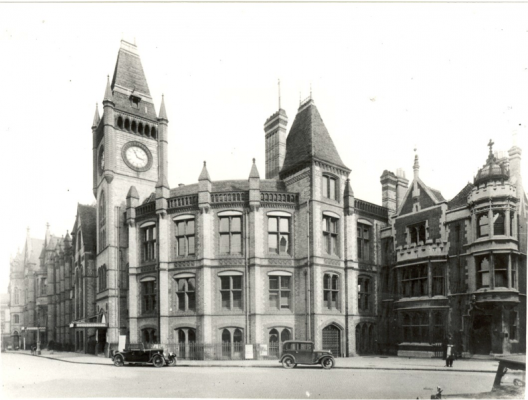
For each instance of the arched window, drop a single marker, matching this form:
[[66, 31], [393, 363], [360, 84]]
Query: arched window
[[120, 122], [498, 223], [149, 336], [147, 130], [226, 336], [102, 275], [140, 128], [237, 336], [134, 126], [127, 124], [102, 221], [483, 225], [364, 293], [285, 335], [153, 133]]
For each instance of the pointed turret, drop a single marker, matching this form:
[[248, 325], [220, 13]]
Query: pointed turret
[[204, 175], [97, 118], [108, 96], [48, 234], [254, 171], [254, 187], [348, 198], [204, 189], [67, 240], [163, 112], [163, 145], [309, 141]]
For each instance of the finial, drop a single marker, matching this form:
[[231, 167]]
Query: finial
[[490, 144], [279, 95], [253, 161], [204, 163]]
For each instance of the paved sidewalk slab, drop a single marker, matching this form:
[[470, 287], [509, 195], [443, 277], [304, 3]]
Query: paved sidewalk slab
[[366, 362]]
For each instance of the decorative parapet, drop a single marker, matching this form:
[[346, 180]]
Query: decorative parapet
[[274, 197], [183, 201], [421, 250], [229, 197], [493, 189], [374, 209], [145, 209]]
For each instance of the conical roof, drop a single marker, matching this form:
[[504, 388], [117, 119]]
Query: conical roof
[[254, 171], [309, 140]]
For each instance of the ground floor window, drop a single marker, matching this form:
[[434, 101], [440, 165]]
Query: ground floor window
[[187, 348], [276, 337], [415, 327], [232, 343], [149, 336], [366, 338]]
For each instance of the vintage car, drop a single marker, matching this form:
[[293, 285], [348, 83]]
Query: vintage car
[[137, 354], [509, 382], [300, 352]]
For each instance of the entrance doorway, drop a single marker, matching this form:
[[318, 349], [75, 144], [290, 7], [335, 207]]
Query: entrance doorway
[[332, 340], [481, 334]]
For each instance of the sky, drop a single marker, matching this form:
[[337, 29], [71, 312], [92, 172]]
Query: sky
[[387, 79]]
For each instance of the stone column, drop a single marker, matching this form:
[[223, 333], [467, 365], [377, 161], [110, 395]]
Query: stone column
[[492, 271], [509, 270], [507, 222], [490, 223]]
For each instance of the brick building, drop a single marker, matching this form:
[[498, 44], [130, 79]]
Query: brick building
[[261, 261]]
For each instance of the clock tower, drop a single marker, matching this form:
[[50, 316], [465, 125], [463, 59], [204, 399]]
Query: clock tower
[[129, 149]]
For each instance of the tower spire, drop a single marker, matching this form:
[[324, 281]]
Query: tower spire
[[108, 92], [97, 118], [163, 112]]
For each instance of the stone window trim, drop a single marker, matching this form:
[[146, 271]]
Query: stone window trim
[[185, 236], [280, 287], [495, 221], [148, 286], [280, 233], [148, 236], [185, 292], [330, 186], [496, 270], [231, 286], [331, 286], [230, 228], [365, 294], [331, 226], [364, 240], [417, 233], [102, 278]]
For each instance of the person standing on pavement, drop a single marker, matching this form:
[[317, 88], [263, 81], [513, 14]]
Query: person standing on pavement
[[449, 351]]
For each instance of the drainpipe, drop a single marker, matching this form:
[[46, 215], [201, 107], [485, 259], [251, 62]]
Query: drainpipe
[[246, 267], [308, 283]]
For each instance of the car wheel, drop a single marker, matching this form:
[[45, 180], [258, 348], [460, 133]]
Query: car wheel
[[171, 362], [119, 360], [327, 363], [288, 362], [158, 361]]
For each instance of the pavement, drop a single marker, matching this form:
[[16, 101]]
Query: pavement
[[481, 364]]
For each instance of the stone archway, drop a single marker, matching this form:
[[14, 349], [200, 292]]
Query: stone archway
[[332, 339]]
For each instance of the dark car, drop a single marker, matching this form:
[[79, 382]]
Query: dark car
[[509, 381], [141, 356], [300, 352]]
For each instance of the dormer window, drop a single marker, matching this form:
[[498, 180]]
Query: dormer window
[[134, 101]]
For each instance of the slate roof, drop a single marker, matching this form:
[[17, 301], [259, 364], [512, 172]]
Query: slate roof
[[88, 216], [460, 200], [129, 74], [266, 185], [34, 250], [437, 194], [309, 139]]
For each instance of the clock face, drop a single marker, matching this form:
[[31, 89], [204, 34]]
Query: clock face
[[137, 157]]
